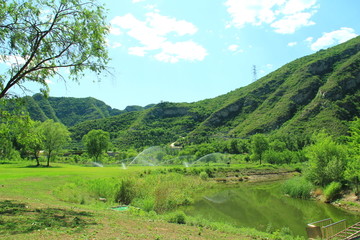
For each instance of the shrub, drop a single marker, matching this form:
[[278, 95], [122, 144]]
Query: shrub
[[178, 217], [103, 188], [146, 204], [209, 172], [332, 191], [204, 176], [164, 199], [327, 160], [297, 187], [126, 192]]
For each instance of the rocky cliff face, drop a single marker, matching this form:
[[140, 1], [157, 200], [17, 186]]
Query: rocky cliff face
[[169, 112], [318, 91], [301, 91]]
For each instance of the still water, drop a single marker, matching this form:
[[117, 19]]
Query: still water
[[262, 206]]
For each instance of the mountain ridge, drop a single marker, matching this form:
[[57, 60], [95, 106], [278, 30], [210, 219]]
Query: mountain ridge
[[318, 91], [71, 111]]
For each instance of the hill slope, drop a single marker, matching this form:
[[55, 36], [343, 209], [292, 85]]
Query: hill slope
[[313, 92], [71, 111], [318, 91]]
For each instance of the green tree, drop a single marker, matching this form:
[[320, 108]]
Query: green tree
[[352, 172], [277, 145], [38, 38], [259, 144], [327, 160], [96, 142], [55, 136], [234, 147], [12, 127], [6, 145], [33, 140]]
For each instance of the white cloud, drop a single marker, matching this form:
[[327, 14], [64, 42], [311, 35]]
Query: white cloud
[[173, 52], [163, 25], [45, 15], [233, 47], [291, 44], [115, 31], [151, 7], [289, 24], [126, 21], [296, 6], [12, 60], [137, 51], [285, 16], [269, 66], [332, 38], [155, 34], [309, 39], [112, 44], [115, 45], [254, 12]]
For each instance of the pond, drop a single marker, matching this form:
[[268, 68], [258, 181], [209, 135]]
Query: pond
[[263, 206]]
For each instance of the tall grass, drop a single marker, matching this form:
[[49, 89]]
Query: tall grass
[[154, 191], [298, 187], [332, 191]]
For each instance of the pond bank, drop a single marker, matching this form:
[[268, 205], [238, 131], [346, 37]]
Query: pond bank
[[262, 205], [251, 175], [349, 202]]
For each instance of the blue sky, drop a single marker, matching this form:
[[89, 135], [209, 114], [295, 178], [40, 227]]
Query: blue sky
[[189, 50]]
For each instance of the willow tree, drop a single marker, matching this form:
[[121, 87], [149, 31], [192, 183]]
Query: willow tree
[[38, 38]]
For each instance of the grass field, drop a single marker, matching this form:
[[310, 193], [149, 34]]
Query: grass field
[[62, 202]]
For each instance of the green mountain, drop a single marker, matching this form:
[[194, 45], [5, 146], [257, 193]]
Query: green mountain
[[314, 92], [70, 111], [319, 91]]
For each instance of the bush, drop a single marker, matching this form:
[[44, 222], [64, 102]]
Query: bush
[[327, 160], [178, 217], [209, 172], [283, 157], [332, 191], [146, 204], [103, 188], [126, 192], [297, 187], [204, 176]]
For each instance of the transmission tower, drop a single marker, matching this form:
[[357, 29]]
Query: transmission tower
[[254, 73]]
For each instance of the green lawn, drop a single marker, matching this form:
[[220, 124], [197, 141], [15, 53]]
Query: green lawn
[[32, 204]]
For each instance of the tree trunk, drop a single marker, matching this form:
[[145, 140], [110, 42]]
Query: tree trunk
[[48, 159], [37, 162], [37, 158], [260, 158]]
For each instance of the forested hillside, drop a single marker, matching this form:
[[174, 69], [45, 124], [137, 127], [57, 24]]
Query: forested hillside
[[319, 91], [71, 111], [311, 93]]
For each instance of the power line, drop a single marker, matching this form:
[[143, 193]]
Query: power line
[[254, 73]]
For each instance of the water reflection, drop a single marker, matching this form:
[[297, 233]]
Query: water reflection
[[262, 205]]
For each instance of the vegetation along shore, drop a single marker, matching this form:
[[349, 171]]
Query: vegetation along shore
[[259, 162]]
